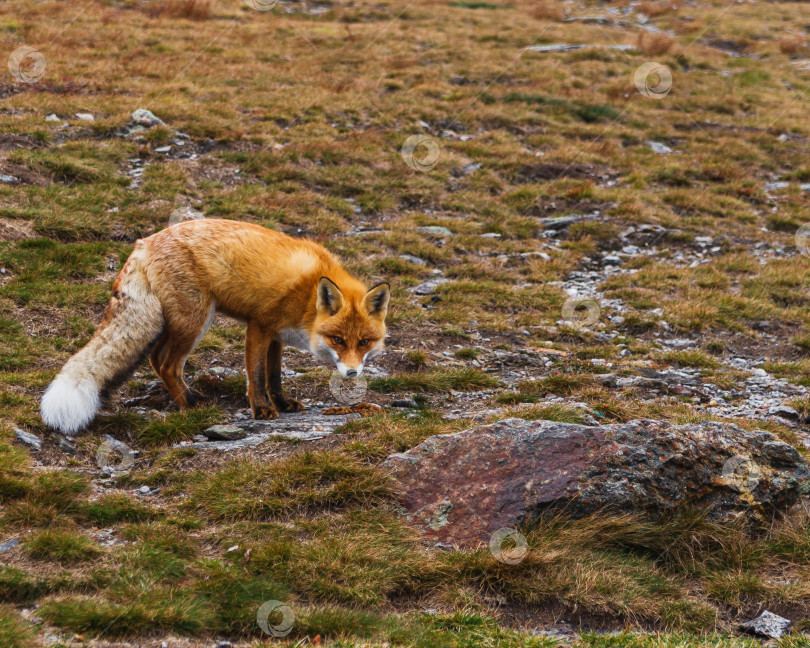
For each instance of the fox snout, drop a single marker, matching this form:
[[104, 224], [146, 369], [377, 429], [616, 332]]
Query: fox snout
[[349, 372]]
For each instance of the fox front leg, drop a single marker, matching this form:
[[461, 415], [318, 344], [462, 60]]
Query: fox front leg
[[257, 346], [282, 403]]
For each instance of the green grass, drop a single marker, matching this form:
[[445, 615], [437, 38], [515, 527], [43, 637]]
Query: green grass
[[58, 545], [309, 481], [310, 144], [14, 633], [180, 426], [435, 380]]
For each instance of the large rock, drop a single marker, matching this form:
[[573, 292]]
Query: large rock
[[460, 488]]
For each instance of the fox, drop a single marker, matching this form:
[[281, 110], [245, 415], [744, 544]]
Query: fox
[[289, 291]]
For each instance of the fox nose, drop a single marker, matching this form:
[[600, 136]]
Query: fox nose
[[351, 373]]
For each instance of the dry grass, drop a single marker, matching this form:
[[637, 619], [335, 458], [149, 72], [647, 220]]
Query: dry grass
[[296, 119], [654, 44], [188, 9], [655, 9], [791, 45], [548, 10]]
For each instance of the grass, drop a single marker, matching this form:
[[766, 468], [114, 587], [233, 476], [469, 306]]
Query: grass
[[295, 118], [436, 380], [61, 546]]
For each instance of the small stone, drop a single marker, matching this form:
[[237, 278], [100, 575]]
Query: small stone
[[224, 644], [163, 149], [85, 117], [225, 433], [185, 213], [767, 624], [147, 118], [436, 230], [410, 258], [29, 439], [611, 259], [8, 179], [52, 118], [144, 490], [559, 47], [232, 549], [428, 287], [491, 235], [66, 445], [785, 412], [405, 403], [658, 147], [9, 544]]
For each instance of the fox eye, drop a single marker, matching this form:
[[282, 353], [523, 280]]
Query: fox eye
[[337, 339], [363, 342]]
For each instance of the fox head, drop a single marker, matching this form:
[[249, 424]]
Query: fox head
[[349, 326]]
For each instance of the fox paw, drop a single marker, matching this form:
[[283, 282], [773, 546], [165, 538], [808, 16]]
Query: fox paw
[[288, 404], [267, 412]]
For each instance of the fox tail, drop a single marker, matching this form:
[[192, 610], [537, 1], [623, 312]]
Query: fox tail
[[131, 323]]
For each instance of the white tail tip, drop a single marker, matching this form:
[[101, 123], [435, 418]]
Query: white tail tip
[[69, 406]]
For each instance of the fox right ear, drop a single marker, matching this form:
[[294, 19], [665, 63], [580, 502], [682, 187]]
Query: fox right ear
[[330, 299]]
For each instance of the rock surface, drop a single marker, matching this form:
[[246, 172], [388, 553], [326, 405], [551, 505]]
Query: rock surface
[[767, 624], [460, 488]]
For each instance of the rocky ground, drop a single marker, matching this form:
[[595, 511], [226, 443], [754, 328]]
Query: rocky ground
[[592, 216]]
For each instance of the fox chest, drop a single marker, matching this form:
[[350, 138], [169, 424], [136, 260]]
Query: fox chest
[[296, 338]]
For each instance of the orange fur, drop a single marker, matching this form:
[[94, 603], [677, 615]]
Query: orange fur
[[286, 289]]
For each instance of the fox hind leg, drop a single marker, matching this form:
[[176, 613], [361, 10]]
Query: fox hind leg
[[181, 338], [282, 403], [158, 352]]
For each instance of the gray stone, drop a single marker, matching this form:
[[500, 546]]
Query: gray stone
[[405, 403], [146, 118], [304, 426], [410, 258], [225, 433], [185, 213], [767, 624], [85, 117], [785, 412], [436, 230], [8, 179], [558, 47], [660, 148], [29, 439], [8, 545], [429, 287]]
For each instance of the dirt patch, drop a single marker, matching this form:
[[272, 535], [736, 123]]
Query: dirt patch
[[15, 230], [23, 174], [556, 170], [10, 141]]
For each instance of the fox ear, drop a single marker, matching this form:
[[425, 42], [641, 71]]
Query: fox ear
[[376, 300], [330, 299]]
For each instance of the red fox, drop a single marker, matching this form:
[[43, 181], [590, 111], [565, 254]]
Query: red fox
[[289, 291]]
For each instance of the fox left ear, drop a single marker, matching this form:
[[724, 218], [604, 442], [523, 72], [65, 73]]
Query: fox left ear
[[376, 300]]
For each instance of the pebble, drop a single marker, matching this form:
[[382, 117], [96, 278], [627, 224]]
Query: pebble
[[29, 439], [9, 544], [225, 433], [428, 287], [658, 147], [436, 230], [85, 117]]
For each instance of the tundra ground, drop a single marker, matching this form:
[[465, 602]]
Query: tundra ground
[[671, 197]]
